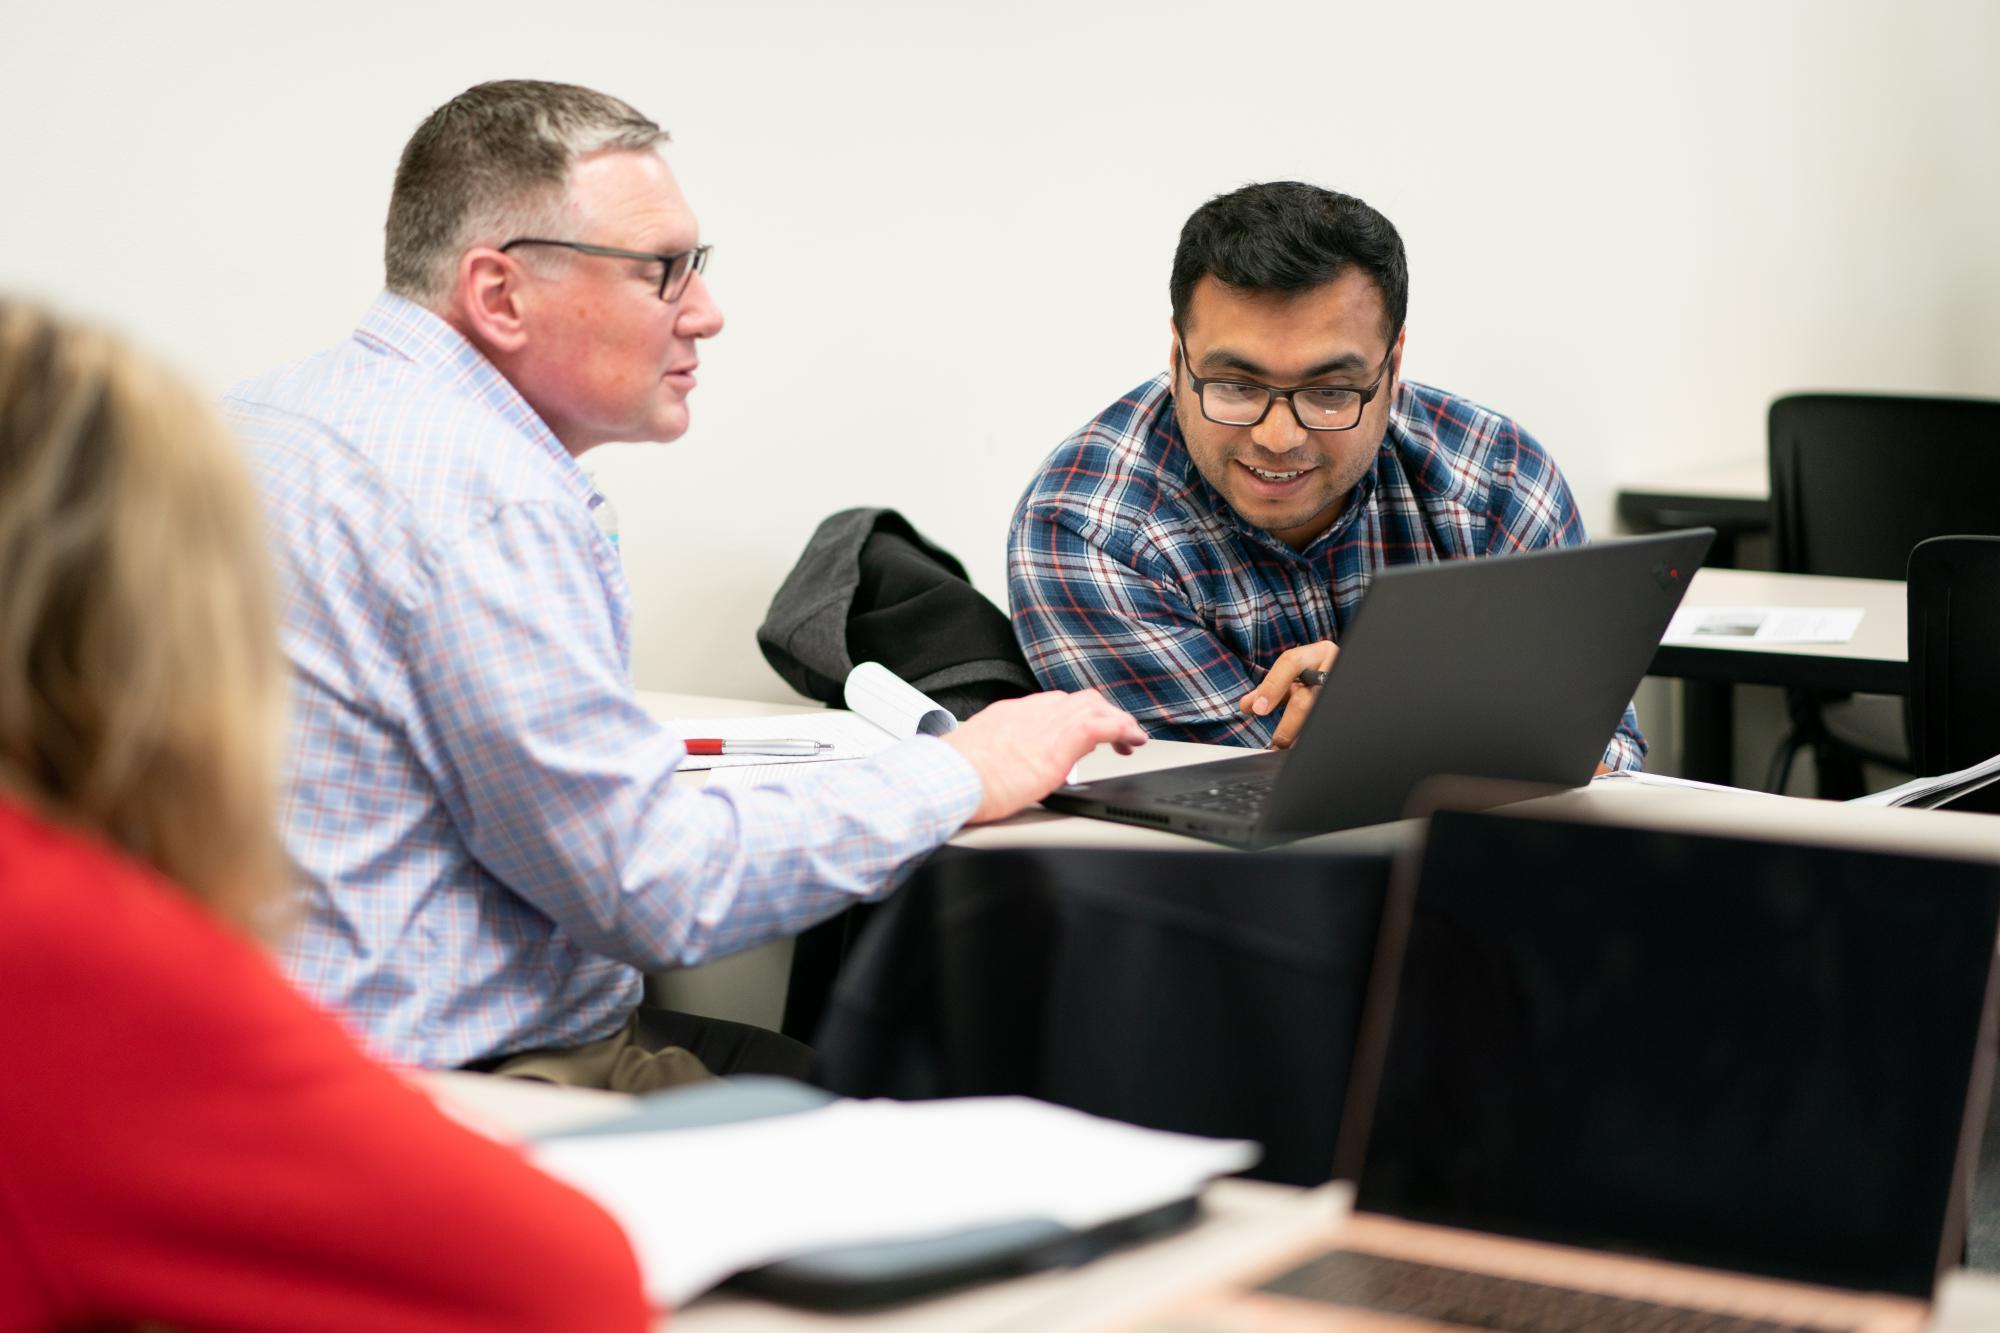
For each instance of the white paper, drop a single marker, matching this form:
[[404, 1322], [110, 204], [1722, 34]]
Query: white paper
[[1725, 625], [893, 704], [701, 1204], [851, 737], [886, 709], [1639, 777], [1916, 790]]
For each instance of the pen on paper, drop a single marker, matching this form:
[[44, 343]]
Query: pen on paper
[[1312, 676], [761, 745]]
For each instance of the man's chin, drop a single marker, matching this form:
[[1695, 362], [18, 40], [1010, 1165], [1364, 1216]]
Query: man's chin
[[1274, 517], [666, 427], [1288, 523]]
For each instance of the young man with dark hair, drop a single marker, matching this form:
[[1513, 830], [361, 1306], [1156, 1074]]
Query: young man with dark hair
[[1201, 542]]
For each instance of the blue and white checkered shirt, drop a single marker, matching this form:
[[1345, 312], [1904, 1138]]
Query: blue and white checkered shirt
[[1129, 573], [489, 846]]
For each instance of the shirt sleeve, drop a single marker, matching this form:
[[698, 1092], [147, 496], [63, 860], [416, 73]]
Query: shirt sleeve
[[1087, 619], [1533, 508], [190, 1142], [559, 781]]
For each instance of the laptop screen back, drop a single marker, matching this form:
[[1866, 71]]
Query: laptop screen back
[[1741, 1054]]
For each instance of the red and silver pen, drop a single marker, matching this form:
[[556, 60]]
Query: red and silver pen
[[783, 747]]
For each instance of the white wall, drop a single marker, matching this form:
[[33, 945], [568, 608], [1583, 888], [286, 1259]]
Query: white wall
[[943, 232]]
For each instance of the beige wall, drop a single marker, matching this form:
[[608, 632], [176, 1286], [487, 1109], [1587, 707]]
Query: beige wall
[[942, 231]]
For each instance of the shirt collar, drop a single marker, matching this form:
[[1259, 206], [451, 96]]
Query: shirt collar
[[401, 327]]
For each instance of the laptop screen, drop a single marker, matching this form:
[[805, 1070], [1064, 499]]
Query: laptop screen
[[1741, 1054]]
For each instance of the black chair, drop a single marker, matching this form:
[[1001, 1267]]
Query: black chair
[[1955, 658], [1209, 992], [1857, 480]]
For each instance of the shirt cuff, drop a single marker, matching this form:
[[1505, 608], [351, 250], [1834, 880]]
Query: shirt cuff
[[938, 776]]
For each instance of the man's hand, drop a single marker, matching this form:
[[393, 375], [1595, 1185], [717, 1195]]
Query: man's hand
[[1023, 749], [1282, 686]]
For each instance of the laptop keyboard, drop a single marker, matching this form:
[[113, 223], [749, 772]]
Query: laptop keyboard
[[1512, 1305], [1244, 796]]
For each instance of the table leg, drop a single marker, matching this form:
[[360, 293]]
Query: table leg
[[1708, 731]]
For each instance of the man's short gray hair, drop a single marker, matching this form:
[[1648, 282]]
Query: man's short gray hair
[[491, 164]]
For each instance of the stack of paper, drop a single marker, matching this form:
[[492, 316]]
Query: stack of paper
[[701, 1204], [1931, 792]]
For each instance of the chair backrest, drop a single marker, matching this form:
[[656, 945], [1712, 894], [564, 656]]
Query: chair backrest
[[1955, 655], [1857, 480]]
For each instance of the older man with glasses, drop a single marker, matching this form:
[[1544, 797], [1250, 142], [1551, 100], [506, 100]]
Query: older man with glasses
[[1195, 549], [489, 846]]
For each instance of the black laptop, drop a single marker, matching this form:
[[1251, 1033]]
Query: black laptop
[[1515, 668]]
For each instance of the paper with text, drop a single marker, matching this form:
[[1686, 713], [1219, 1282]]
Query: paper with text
[[1745, 626], [885, 709], [851, 737], [701, 1204]]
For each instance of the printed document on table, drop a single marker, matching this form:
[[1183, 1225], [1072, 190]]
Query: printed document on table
[[886, 709], [700, 1204], [851, 736], [1721, 626]]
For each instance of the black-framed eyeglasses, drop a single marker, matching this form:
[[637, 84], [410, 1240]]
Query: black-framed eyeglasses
[[1314, 406], [675, 269]]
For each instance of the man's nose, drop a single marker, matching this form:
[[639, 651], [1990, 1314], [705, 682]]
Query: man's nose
[[699, 316], [1279, 432]]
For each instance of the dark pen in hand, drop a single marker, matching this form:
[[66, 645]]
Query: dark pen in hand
[[1312, 676]]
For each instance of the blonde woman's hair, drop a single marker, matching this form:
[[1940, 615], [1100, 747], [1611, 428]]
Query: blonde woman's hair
[[140, 678]]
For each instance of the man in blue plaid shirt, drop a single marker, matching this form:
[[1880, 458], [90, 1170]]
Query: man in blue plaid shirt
[[1201, 542]]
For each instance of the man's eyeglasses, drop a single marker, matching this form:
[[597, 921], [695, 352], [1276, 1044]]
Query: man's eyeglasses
[[675, 269], [1314, 406]]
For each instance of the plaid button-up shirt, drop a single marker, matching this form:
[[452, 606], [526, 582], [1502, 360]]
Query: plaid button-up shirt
[[1130, 574], [480, 813]]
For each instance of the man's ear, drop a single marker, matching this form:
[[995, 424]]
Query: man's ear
[[1396, 356], [487, 302], [1173, 350]]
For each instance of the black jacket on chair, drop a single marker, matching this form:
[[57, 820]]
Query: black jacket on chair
[[870, 588]]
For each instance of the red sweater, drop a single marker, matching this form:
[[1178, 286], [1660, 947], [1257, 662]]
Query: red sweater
[[183, 1138]]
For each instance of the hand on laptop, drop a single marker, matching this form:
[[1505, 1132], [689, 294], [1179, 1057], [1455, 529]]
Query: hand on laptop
[[1282, 687], [1023, 749]]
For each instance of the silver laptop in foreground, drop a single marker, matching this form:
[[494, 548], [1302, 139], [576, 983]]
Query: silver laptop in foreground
[[1515, 668], [1652, 1080]]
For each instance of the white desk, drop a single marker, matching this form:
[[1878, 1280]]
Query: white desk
[[1733, 497], [1244, 1222], [1875, 660], [1743, 480], [1031, 828], [751, 986]]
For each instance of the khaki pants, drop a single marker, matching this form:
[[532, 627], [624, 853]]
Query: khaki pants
[[660, 1048]]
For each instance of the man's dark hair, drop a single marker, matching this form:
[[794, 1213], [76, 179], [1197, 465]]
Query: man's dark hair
[[1287, 236]]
